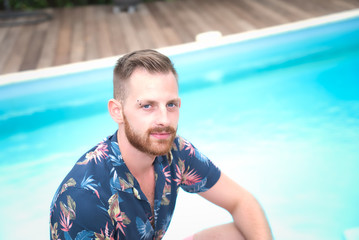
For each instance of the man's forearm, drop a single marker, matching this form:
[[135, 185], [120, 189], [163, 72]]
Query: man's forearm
[[250, 219]]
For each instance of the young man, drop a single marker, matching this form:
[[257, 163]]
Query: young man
[[126, 186]]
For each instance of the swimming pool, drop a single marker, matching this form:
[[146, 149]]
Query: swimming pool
[[279, 114]]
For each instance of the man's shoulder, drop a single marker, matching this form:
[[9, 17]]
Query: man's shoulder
[[181, 143], [102, 153], [182, 148], [92, 168], [96, 154], [180, 140]]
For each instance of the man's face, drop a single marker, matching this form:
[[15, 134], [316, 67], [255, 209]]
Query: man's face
[[151, 111]]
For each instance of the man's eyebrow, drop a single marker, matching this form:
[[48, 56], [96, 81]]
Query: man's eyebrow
[[175, 100], [141, 102]]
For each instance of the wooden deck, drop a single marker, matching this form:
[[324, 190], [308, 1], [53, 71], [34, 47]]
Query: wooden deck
[[92, 32]]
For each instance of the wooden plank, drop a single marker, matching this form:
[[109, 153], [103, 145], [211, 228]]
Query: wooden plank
[[343, 5], [168, 12], [352, 3], [205, 12], [328, 7], [3, 32], [22, 43], [285, 8], [186, 31], [117, 35], [184, 17], [144, 38], [3, 45], [91, 51], [47, 55], [169, 33], [310, 7], [200, 14], [77, 48], [63, 45], [154, 30], [219, 22], [239, 24], [36, 43], [171, 36], [158, 15], [7, 45], [245, 12], [267, 13], [131, 40], [194, 13], [103, 35]]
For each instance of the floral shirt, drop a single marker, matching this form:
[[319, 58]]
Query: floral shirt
[[101, 199]]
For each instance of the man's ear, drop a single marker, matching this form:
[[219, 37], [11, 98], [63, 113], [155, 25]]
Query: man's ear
[[115, 110]]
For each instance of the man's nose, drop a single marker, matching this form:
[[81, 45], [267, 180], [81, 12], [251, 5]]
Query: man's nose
[[162, 117]]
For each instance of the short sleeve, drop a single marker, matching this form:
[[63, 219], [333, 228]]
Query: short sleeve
[[80, 214], [196, 172]]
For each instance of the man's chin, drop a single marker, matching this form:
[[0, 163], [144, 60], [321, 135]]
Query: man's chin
[[161, 147], [163, 150]]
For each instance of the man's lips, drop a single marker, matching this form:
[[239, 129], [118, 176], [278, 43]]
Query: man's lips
[[161, 135]]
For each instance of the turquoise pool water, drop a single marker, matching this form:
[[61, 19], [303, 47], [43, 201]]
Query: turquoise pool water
[[279, 114]]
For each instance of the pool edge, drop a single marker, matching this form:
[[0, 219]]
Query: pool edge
[[30, 75]]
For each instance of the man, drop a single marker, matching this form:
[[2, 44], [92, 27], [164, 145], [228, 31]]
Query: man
[[126, 186]]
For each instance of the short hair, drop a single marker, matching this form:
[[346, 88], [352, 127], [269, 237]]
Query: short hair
[[150, 60]]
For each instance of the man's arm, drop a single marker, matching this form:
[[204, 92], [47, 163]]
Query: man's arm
[[249, 219]]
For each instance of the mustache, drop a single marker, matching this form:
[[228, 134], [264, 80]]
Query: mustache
[[167, 129]]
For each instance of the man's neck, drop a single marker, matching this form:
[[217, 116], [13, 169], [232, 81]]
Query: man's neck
[[139, 163]]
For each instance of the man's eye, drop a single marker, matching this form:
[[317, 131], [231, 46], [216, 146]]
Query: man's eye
[[172, 105], [146, 106]]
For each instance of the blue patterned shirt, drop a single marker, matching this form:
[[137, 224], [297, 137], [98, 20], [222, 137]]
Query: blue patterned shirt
[[101, 199]]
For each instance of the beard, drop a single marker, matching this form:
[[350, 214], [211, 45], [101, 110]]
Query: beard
[[145, 144]]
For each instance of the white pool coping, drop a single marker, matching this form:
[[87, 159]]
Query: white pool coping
[[204, 40]]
